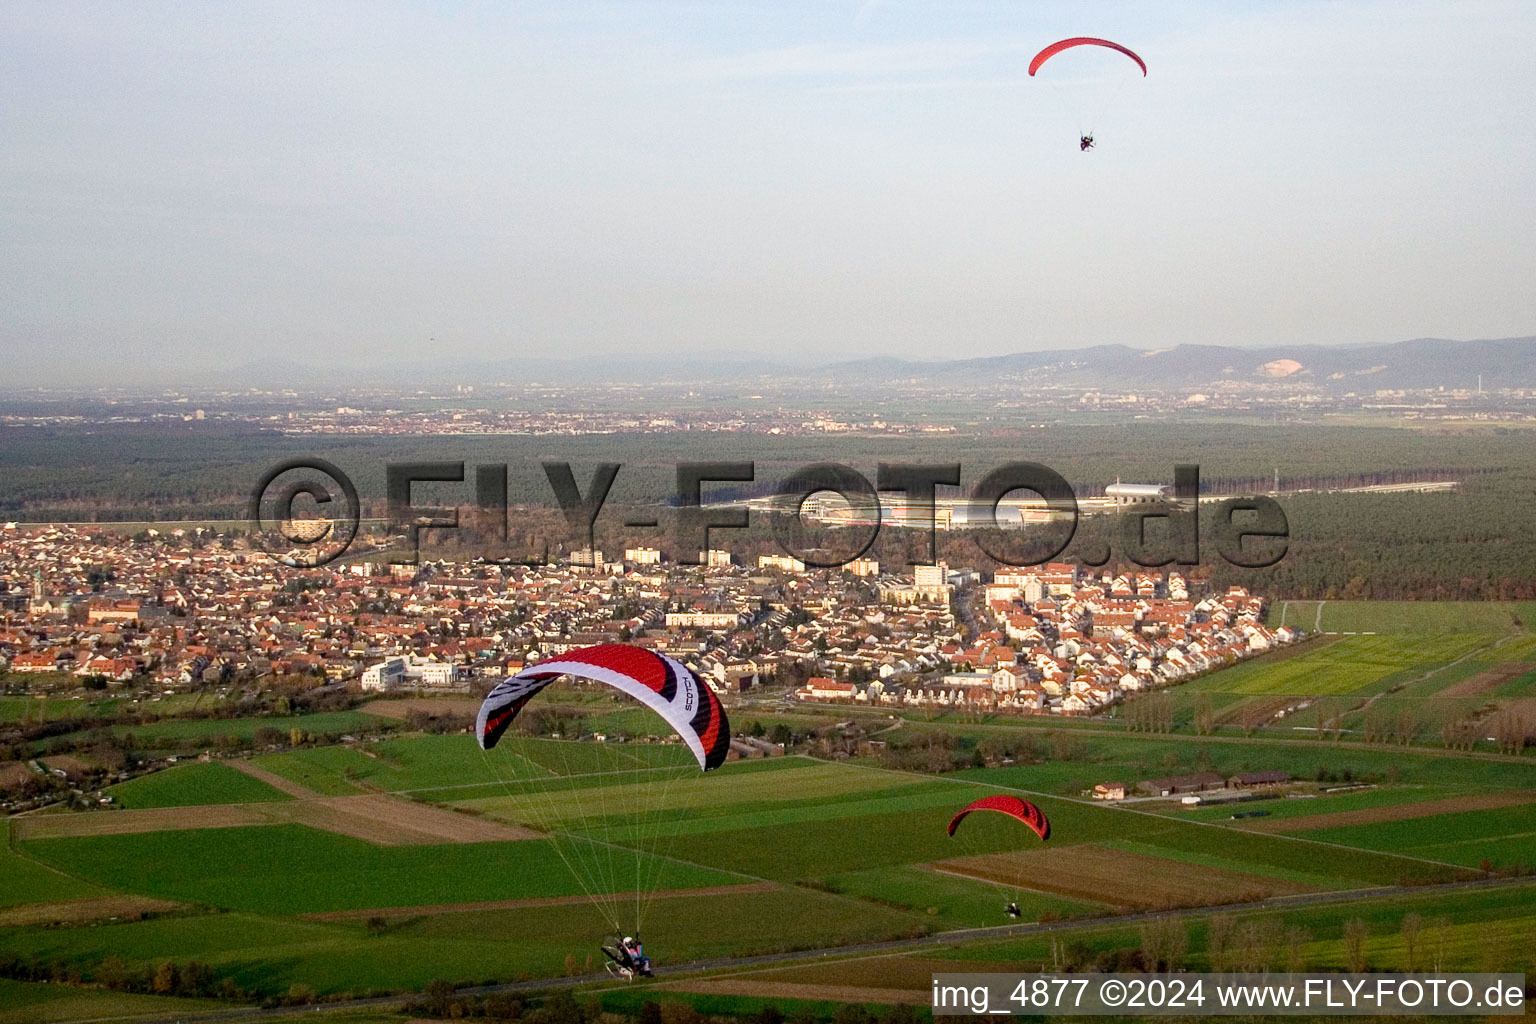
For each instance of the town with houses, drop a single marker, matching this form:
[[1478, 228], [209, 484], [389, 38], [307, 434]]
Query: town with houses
[[184, 609]]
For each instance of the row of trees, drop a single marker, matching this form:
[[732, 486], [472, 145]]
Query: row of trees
[[441, 1000], [1258, 944]]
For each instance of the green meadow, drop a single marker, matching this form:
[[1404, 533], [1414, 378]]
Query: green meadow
[[25, 880], [1406, 617], [200, 729], [36, 1003], [1505, 836], [188, 785], [293, 869], [1352, 664]]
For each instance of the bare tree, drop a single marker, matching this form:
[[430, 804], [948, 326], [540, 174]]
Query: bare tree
[[1441, 927], [1355, 933], [1296, 939], [1412, 925], [1163, 944], [1218, 941]]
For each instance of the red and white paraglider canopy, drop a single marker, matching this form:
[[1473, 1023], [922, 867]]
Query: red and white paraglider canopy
[[667, 687], [1012, 806], [1067, 44]]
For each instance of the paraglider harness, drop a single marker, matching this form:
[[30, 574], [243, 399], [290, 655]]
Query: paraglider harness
[[1085, 143], [627, 958]]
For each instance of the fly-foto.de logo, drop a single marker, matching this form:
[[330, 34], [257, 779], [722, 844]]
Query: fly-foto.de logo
[[1021, 513]]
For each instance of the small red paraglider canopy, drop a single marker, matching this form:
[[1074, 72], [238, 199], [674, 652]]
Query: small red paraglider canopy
[[1012, 806], [1067, 44]]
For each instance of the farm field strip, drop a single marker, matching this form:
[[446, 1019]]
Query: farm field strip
[[1388, 812], [199, 783], [24, 879], [294, 869], [1349, 665], [146, 820], [1404, 617], [200, 729], [959, 902], [515, 788], [375, 818], [83, 910], [1308, 880], [736, 815], [1119, 878], [1488, 679], [432, 762], [806, 781], [1283, 808], [278, 782], [401, 709], [313, 771], [1463, 837], [24, 1002], [542, 901]]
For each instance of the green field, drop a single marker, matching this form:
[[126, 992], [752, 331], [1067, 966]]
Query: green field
[[1323, 803], [270, 953], [325, 770], [189, 785], [1506, 837], [1127, 758], [1492, 617], [443, 763], [1353, 664], [53, 709], [35, 1003], [198, 729], [24, 880], [292, 869]]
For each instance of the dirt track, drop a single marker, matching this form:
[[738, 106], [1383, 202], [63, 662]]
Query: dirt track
[[1488, 679], [273, 779], [1391, 812], [393, 821], [78, 911], [147, 819], [374, 818], [546, 901]]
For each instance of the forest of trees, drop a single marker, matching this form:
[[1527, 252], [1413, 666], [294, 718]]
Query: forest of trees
[[1476, 543]]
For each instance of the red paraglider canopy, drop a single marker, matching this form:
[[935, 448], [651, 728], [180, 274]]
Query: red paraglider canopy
[[1012, 806], [1067, 44]]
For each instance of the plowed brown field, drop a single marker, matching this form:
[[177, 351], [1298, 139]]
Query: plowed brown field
[[1488, 679]]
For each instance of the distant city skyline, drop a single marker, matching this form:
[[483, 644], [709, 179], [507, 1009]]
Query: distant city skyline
[[187, 189]]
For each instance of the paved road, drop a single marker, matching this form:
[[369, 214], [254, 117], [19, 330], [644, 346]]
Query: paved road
[[603, 980]]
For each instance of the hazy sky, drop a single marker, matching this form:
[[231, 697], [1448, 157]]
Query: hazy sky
[[204, 184]]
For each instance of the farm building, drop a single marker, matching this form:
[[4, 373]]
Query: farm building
[[1175, 784], [1252, 780]]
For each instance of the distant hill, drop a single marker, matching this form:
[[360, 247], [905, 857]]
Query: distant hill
[[1421, 363]]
